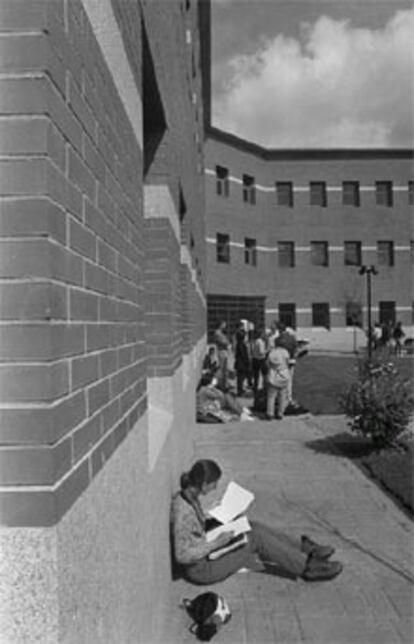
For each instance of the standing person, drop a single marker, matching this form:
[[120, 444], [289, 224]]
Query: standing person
[[210, 362], [267, 550], [288, 340], [385, 334], [277, 380], [376, 335], [241, 358], [259, 359], [222, 344], [272, 335], [398, 335]]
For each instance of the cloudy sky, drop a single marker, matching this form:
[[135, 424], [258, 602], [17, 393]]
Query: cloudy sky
[[314, 73]]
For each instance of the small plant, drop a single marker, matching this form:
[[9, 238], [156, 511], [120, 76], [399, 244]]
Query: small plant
[[379, 404]]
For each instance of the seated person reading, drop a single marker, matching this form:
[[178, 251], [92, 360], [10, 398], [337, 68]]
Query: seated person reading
[[265, 549]]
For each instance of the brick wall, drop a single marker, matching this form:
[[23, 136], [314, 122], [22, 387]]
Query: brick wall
[[85, 280], [102, 310]]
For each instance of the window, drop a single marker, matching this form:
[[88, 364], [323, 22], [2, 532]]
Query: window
[[318, 193], [350, 193], [249, 190], [286, 254], [353, 314], [223, 248], [352, 254], [154, 120], [320, 315], [411, 193], [284, 193], [222, 181], [387, 312], [384, 193], [319, 253], [385, 253], [287, 314], [250, 251]]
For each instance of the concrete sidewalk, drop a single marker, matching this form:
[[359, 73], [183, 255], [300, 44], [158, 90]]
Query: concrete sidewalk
[[301, 488]]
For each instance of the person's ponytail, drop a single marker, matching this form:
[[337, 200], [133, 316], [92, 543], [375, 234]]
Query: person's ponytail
[[185, 480]]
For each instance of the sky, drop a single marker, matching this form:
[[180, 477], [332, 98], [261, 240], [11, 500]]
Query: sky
[[314, 73]]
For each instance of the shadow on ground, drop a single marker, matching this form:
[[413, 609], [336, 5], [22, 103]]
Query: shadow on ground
[[391, 469]]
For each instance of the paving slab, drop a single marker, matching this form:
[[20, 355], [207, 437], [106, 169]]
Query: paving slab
[[300, 489]]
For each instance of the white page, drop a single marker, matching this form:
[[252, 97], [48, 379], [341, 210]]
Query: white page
[[237, 527], [235, 501]]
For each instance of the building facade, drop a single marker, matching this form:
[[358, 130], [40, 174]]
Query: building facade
[[102, 309], [289, 230]]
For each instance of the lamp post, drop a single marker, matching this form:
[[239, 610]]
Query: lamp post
[[368, 271]]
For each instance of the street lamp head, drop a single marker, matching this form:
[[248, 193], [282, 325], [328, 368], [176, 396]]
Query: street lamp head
[[362, 270], [374, 270]]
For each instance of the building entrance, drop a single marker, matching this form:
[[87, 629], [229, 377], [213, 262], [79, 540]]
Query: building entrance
[[232, 309]]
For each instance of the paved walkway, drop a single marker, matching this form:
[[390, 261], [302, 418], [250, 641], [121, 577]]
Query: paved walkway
[[303, 487]]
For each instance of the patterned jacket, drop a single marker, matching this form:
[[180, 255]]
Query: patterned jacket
[[189, 536]]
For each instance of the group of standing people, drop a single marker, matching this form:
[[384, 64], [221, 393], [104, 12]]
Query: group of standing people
[[264, 360], [388, 335]]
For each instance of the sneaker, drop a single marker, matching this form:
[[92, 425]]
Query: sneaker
[[317, 570], [310, 547], [244, 417]]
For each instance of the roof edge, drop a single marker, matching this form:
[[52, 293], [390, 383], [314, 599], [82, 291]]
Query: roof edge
[[273, 154]]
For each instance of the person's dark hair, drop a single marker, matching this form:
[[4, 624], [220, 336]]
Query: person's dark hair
[[203, 471], [200, 610], [205, 380]]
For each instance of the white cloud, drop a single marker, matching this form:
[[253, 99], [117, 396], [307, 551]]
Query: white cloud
[[343, 87]]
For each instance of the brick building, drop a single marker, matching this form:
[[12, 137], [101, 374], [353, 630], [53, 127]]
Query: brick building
[[102, 308], [288, 231]]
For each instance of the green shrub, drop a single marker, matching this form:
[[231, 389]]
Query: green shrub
[[379, 404]]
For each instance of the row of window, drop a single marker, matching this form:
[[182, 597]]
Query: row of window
[[319, 252], [321, 314], [317, 191]]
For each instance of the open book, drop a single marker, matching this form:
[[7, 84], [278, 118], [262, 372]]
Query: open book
[[236, 499], [227, 514]]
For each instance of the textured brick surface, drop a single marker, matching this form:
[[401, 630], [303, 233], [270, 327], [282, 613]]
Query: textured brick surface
[[92, 291]]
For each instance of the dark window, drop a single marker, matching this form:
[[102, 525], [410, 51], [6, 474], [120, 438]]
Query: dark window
[[222, 181], [352, 254], [385, 253], [286, 253], [319, 253], [154, 121], [250, 252], [387, 312], [287, 314], [350, 193], [318, 193], [411, 193], [249, 189], [284, 193], [353, 314], [320, 315], [223, 248], [383, 191]]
